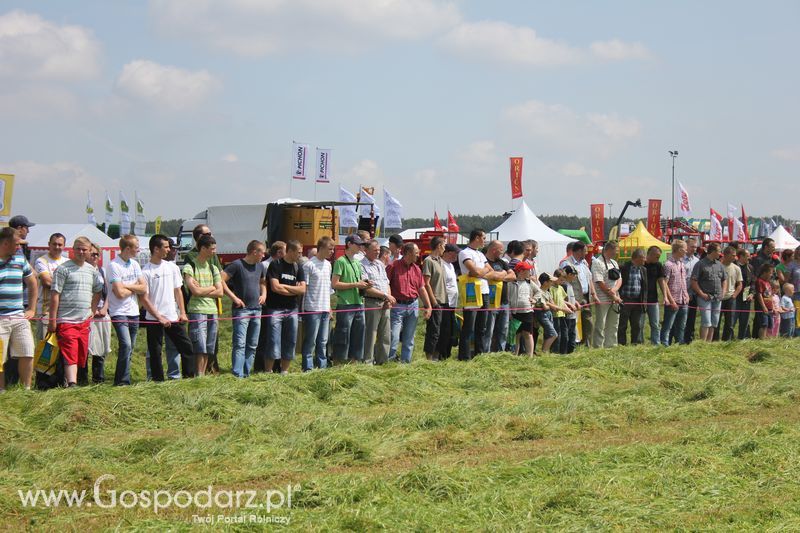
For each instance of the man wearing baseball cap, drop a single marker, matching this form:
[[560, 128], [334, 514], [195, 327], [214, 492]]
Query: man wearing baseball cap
[[22, 225]]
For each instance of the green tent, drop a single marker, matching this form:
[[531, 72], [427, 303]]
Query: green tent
[[578, 234]]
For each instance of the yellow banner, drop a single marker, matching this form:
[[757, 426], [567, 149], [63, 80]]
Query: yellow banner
[[6, 193], [158, 224]]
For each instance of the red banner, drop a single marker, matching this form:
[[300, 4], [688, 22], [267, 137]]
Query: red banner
[[437, 226], [453, 228], [654, 217], [516, 177], [597, 216]]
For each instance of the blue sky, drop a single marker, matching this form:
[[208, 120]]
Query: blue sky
[[195, 102]]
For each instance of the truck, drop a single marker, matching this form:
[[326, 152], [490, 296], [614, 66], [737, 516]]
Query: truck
[[233, 227]]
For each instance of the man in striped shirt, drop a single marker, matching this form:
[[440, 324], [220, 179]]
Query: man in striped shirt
[[15, 331], [74, 296]]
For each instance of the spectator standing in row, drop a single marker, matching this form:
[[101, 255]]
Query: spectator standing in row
[[347, 281], [246, 278], [165, 309], [125, 284], [607, 279], [583, 288], [634, 295], [676, 297], [16, 278], [725, 329], [378, 302], [709, 282], [202, 278], [317, 306], [450, 257], [45, 266], [100, 328], [407, 285], [496, 334], [74, 293], [656, 279], [433, 274], [287, 286]]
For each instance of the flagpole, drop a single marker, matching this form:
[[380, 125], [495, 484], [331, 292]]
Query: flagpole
[[673, 154]]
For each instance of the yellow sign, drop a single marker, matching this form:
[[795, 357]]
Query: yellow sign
[[158, 224], [6, 193]]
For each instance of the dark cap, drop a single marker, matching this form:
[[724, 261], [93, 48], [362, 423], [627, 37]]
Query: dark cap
[[354, 238], [451, 248], [17, 221], [544, 277], [569, 270]]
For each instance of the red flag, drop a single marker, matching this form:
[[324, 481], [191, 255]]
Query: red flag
[[516, 177], [654, 217], [598, 221], [744, 221], [437, 226], [716, 215], [452, 227]]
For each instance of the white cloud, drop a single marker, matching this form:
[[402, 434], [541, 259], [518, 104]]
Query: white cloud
[[506, 43], [54, 192], [559, 127], [791, 153], [616, 50], [577, 170], [165, 86], [230, 158], [34, 48], [479, 154], [258, 28], [366, 172], [502, 42]]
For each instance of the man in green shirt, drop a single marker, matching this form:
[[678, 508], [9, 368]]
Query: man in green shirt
[[347, 281], [203, 280]]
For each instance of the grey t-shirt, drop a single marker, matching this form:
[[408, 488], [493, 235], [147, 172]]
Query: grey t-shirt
[[432, 266], [76, 285], [710, 275], [245, 281]]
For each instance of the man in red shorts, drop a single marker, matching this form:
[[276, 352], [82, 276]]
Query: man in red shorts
[[74, 295]]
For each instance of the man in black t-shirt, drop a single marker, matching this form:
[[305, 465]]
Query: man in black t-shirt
[[656, 277], [286, 282], [496, 332]]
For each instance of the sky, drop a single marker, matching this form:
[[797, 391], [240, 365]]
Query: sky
[[194, 103]]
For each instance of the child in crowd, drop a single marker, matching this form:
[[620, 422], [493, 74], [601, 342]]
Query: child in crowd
[[787, 311], [564, 307], [763, 305], [570, 274], [776, 308], [544, 306], [520, 299]]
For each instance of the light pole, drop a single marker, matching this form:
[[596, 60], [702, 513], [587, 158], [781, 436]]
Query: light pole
[[673, 154]]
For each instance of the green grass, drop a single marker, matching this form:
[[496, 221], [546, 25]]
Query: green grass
[[695, 437]]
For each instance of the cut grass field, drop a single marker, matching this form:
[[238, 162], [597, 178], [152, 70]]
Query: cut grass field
[[690, 437]]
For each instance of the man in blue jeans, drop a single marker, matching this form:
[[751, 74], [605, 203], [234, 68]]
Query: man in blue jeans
[[347, 280], [656, 278], [125, 284], [246, 277], [317, 306], [407, 284], [676, 297], [287, 284]]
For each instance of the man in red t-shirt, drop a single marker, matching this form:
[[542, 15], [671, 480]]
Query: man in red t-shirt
[[406, 284]]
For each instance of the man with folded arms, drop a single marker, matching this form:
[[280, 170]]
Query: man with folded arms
[[407, 284]]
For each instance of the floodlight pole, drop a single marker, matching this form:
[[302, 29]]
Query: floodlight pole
[[673, 154]]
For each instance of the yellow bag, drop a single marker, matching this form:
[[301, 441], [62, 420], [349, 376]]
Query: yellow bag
[[495, 294], [46, 354], [469, 292]]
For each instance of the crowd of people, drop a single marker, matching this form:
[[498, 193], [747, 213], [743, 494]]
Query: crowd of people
[[484, 297]]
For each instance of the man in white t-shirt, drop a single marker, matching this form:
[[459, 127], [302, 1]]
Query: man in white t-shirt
[[607, 279], [449, 257], [473, 263], [44, 267], [125, 282], [317, 306], [166, 313]]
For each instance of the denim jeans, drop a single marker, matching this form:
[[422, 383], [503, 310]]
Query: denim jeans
[[179, 340], [655, 323], [496, 336], [472, 326], [126, 327], [348, 334], [284, 333], [246, 328], [316, 327], [404, 325], [674, 321]]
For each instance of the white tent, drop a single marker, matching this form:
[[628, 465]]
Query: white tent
[[40, 234], [523, 225], [783, 239]]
